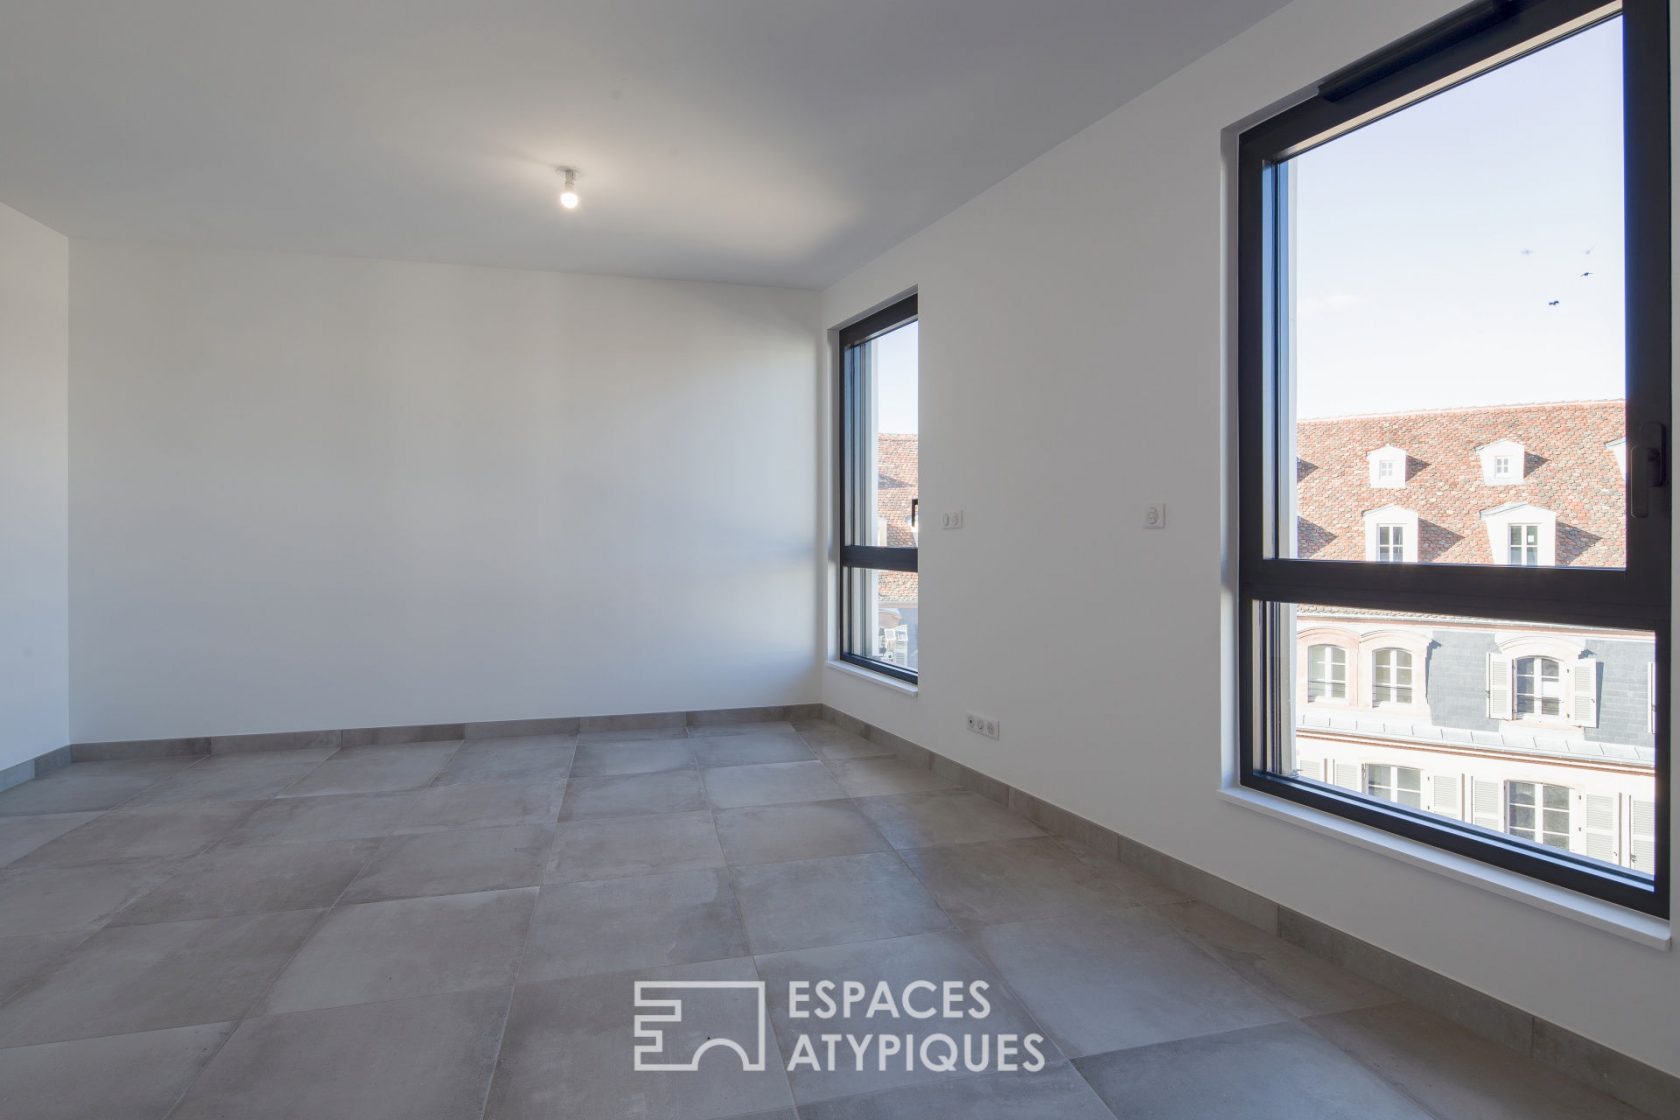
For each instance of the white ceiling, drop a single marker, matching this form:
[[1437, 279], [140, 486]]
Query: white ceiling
[[761, 141]]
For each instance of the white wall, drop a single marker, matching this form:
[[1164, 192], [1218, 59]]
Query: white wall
[[1074, 327], [316, 493], [34, 433]]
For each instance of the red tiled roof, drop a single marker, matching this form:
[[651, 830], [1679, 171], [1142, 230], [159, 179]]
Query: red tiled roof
[[1568, 470], [898, 465]]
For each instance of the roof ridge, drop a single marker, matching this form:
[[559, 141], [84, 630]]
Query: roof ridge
[[1532, 406]]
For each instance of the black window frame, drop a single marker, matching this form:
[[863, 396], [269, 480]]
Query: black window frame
[[851, 556], [1454, 48]]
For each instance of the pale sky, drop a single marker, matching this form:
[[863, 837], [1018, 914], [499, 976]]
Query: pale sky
[[1430, 245], [895, 380]]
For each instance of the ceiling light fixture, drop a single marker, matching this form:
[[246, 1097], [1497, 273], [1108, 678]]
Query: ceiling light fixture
[[568, 193]]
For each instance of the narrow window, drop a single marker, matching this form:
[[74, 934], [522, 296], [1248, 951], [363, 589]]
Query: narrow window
[[1327, 673], [1525, 545], [1391, 677], [1402, 785], [1418, 183], [879, 504], [1539, 688], [1538, 813], [1391, 543]]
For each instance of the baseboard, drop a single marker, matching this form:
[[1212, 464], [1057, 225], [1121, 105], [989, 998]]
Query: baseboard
[[395, 735], [1609, 1071]]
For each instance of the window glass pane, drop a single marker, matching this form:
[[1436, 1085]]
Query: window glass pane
[[887, 510], [883, 623], [1539, 731], [1453, 348]]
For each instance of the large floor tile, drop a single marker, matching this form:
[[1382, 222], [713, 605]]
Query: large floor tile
[[21, 835], [1290, 977], [741, 727], [1282, 1071], [750, 748], [640, 756], [632, 734], [1455, 1073], [632, 795], [458, 862], [236, 777], [831, 743], [830, 901], [160, 832], [954, 816], [252, 879], [375, 769], [406, 947], [49, 899], [569, 1045], [1016, 880], [90, 786], [880, 777], [481, 806], [1106, 982], [528, 758], [619, 847], [776, 783], [648, 921], [1057, 1093], [24, 958], [139, 978], [414, 1059], [974, 1024], [302, 820], [811, 830], [131, 1076]]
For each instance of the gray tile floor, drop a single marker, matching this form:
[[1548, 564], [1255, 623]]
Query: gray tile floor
[[452, 931]]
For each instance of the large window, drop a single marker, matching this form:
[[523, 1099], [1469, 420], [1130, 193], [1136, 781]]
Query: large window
[[879, 505], [1538, 812], [1454, 259], [1327, 677]]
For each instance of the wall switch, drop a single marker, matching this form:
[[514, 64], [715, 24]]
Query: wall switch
[[951, 520], [1155, 516], [982, 725]]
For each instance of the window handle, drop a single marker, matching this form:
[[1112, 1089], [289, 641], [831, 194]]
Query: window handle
[[1647, 467]]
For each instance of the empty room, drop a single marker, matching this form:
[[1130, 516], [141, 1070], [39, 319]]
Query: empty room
[[475, 645]]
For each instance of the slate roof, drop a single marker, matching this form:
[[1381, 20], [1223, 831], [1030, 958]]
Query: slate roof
[[1568, 469]]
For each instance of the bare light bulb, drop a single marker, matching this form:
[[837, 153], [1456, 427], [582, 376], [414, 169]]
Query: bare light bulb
[[568, 193]]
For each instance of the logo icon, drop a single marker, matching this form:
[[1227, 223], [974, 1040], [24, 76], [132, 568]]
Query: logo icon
[[651, 1012]]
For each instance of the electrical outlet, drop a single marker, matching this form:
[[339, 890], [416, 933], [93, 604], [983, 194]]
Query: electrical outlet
[[1155, 516], [983, 725], [951, 520]]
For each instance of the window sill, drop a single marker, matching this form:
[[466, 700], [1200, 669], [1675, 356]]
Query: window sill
[[1642, 929], [858, 671]]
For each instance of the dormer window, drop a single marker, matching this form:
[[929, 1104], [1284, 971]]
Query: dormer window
[[1522, 535], [1388, 467], [1391, 535], [1618, 451], [1502, 462]]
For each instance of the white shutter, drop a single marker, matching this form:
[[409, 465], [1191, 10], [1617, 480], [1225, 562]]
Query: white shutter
[[1485, 809], [1598, 826], [1585, 692], [1498, 686], [1445, 790], [1642, 835], [1309, 768], [1347, 776]]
